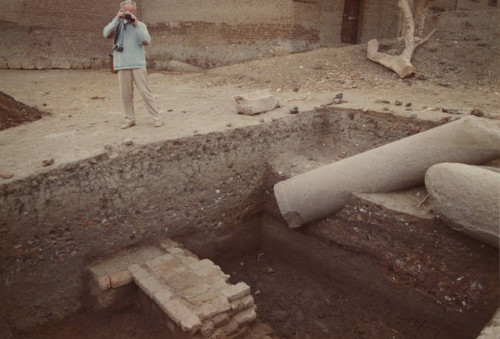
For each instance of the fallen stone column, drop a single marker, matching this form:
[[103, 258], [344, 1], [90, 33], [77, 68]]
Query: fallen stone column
[[467, 199], [399, 165]]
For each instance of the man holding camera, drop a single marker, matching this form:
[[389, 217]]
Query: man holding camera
[[129, 60]]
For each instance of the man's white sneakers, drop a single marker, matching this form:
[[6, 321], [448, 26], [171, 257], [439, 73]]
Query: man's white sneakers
[[128, 124], [158, 123]]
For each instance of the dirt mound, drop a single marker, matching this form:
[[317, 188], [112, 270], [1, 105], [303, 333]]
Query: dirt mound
[[455, 64], [14, 113]]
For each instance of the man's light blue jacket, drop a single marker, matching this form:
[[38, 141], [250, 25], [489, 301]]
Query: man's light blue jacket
[[133, 55]]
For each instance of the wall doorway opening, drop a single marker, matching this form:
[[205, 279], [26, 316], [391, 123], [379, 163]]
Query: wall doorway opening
[[350, 20]]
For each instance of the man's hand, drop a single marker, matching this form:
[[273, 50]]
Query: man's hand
[[120, 13], [135, 19]]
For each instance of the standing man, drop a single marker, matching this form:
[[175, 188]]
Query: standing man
[[130, 37]]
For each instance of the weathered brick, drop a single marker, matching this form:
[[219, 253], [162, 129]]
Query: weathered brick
[[191, 323], [220, 284], [230, 328], [220, 319], [167, 267], [175, 250], [211, 308], [190, 254], [174, 273], [206, 296], [241, 304], [150, 285], [158, 261], [246, 316], [167, 243], [211, 274], [138, 272], [186, 260], [177, 310], [120, 278], [163, 296], [237, 291], [207, 329], [200, 264], [103, 282], [182, 280], [193, 291]]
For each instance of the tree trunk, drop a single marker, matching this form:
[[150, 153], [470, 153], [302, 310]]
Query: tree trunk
[[420, 11], [401, 64]]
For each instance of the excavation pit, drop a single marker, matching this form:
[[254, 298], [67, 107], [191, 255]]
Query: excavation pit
[[355, 274]]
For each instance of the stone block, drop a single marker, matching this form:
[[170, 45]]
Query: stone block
[[246, 316], [182, 278], [138, 272], [190, 254], [220, 319], [177, 310], [191, 324], [175, 250], [242, 303], [120, 278], [212, 308], [187, 260], [150, 285], [204, 297], [104, 283], [167, 243], [159, 260], [207, 329], [167, 267], [255, 102], [194, 291], [163, 296], [220, 284], [237, 291], [202, 264], [13, 63], [230, 328]]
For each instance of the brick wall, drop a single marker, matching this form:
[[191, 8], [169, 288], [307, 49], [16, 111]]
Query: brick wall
[[58, 34], [54, 33]]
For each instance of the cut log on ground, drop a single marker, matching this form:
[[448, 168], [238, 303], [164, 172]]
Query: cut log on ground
[[401, 64]]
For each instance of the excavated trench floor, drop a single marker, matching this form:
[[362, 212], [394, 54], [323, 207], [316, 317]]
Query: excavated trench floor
[[368, 272]]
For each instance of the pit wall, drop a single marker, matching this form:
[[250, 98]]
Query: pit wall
[[206, 192], [58, 34]]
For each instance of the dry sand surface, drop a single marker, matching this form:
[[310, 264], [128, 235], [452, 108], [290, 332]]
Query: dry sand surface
[[85, 112]]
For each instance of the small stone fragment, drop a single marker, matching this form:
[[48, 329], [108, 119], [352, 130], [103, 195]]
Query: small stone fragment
[[6, 174], [398, 103], [382, 101], [47, 162], [477, 112], [129, 142], [294, 110]]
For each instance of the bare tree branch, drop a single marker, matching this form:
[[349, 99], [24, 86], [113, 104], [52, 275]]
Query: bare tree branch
[[401, 64]]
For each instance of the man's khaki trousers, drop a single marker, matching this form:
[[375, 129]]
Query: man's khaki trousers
[[139, 76]]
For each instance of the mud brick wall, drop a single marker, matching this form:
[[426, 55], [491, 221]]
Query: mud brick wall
[[54, 33], [378, 19], [61, 34]]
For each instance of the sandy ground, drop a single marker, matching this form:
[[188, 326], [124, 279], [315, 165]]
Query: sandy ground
[[86, 113]]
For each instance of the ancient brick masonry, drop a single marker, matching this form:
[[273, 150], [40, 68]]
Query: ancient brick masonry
[[193, 293]]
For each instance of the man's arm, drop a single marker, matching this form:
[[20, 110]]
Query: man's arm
[[110, 28], [143, 34]]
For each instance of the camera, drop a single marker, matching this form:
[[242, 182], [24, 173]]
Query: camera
[[119, 48], [128, 16]]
